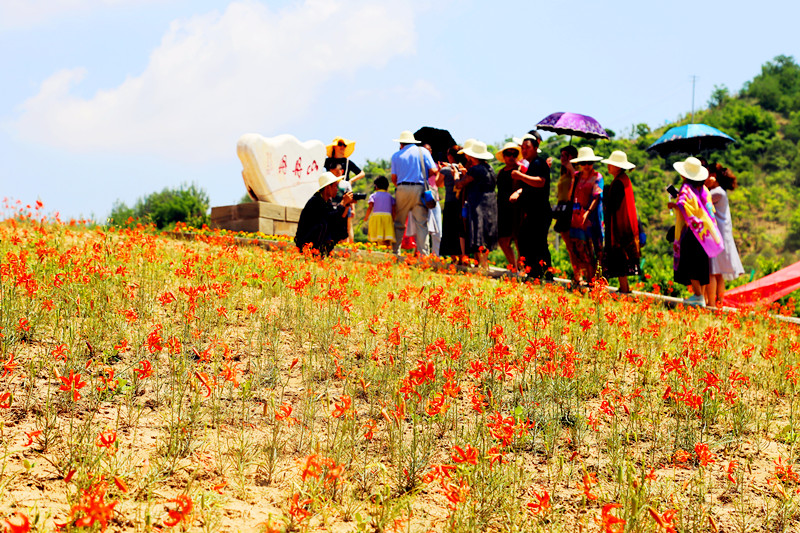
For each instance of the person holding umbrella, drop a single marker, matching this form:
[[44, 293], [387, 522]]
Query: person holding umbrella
[[697, 237], [621, 254]]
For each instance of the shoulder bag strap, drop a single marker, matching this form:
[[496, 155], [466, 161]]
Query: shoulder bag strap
[[422, 167]]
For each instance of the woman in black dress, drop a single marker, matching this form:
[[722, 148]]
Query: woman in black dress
[[506, 185], [452, 226]]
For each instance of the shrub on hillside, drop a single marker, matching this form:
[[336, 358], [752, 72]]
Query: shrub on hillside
[[188, 204]]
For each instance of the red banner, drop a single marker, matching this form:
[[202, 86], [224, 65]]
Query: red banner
[[766, 290]]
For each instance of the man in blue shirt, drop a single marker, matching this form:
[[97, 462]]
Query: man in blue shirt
[[411, 166]]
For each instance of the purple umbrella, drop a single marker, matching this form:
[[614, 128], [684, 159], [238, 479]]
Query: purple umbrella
[[573, 124]]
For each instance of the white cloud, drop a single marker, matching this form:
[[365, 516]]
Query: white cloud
[[216, 76], [25, 13]]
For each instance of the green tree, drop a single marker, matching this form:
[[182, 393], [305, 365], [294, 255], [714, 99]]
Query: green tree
[[188, 204], [642, 130], [719, 96], [378, 167], [791, 131], [777, 88]]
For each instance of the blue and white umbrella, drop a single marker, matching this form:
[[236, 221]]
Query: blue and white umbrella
[[691, 139]]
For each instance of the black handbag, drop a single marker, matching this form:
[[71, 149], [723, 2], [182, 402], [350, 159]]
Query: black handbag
[[562, 214]]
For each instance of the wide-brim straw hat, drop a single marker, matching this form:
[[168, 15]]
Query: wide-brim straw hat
[[478, 150], [466, 145], [586, 155], [509, 146], [691, 169], [618, 158], [350, 146], [406, 137], [326, 178]]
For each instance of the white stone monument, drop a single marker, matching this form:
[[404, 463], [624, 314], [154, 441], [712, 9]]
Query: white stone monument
[[280, 174], [280, 170]]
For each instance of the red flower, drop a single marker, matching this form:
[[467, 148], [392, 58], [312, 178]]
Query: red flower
[[610, 523], [470, 455], [589, 480], [154, 340], [732, 466], [297, 509], [107, 440], [343, 407], [369, 428], [455, 493], [284, 412], [205, 380], [92, 507], [542, 503], [9, 366], [704, 456], [665, 521], [166, 298], [31, 435], [19, 523], [72, 383], [312, 468], [182, 511], [145, 369]]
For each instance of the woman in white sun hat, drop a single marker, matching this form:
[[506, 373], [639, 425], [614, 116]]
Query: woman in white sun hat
[[510, 154], [586, 204], [480, 203], [621, 254], [697, 237]]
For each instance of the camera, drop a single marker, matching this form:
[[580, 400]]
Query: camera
[[359, 196]]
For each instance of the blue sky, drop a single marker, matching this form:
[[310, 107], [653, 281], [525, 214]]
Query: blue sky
[[106, 100]]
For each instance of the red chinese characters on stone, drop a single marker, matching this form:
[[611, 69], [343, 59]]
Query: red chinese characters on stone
[[313, 167], [282, 166], [298, 167]]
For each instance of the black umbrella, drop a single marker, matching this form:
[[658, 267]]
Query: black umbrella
[[440, 141]]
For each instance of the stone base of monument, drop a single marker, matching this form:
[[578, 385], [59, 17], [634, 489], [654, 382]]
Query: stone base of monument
[[264, 217]]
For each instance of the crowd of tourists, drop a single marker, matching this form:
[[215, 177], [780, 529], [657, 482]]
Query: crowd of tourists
[[482, 209]]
